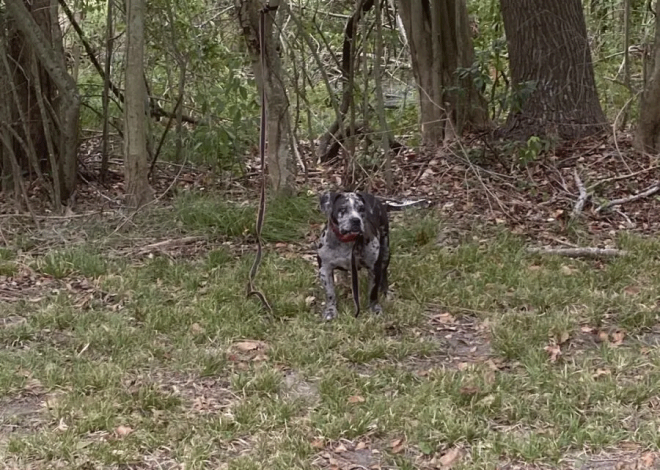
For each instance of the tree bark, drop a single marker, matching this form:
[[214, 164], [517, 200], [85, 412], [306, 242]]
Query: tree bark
[[647, 136], [136, 163], [37, 29], [281, 162], [440, 44], [550, 60]]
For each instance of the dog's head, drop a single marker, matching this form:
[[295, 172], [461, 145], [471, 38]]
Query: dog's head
[[346, 214]]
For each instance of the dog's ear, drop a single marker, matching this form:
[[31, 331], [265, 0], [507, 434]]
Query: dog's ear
[[325, 202]]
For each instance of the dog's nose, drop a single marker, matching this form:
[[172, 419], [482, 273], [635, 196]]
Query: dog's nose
[[356, 222]]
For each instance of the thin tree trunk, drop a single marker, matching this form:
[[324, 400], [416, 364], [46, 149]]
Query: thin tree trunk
[[551, 62], [282, 167], [109, 43], [136, 165], [386, 137], [647, 137]]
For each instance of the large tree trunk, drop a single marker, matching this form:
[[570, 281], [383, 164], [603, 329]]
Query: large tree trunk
[[647, 137], [550, 60], [41, 84], [440, 43], [136, 163], [281, 163]]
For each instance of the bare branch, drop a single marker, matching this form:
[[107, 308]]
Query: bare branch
[[580, 252], [579, 205], [617, 202]]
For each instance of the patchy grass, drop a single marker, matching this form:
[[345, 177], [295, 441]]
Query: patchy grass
[[486, 354]]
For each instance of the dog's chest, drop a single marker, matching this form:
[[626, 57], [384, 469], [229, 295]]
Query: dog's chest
[[338, 255]]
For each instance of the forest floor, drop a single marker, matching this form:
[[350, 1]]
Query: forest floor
[[127, 342]]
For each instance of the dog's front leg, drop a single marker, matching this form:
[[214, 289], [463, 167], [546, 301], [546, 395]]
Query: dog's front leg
[[374, 284], [328, 282]]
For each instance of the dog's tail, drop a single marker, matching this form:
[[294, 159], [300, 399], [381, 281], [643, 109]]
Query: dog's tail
[[395, 205]]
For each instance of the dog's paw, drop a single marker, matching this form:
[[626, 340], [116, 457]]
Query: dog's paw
[[330, 313], [376, 308]]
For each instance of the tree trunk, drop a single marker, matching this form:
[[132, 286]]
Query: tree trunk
[[647, 136], [551, 70], [35, 48], [136, 163], [440, 44], [281, 163]]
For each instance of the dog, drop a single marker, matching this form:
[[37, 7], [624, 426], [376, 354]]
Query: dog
[[356, 236]]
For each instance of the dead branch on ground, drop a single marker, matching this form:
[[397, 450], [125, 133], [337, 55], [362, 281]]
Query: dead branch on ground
[[581, 252], [617, 202], [584, 195]]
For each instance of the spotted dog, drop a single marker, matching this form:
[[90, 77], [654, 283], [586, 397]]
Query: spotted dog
[[355, 236]]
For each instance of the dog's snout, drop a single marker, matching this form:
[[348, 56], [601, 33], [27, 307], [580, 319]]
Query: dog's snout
[[356, 222]]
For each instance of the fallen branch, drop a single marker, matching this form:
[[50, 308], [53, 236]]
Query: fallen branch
[[616, 202], [620, 177], [581, 252], [582, 198], [171, 243]]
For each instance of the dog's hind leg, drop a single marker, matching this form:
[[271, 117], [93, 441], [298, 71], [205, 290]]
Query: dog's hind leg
[[383, 285]]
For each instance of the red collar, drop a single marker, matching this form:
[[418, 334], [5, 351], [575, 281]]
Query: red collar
[[345, 238]]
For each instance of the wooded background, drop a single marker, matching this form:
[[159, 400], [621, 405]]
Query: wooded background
[[356, 81]]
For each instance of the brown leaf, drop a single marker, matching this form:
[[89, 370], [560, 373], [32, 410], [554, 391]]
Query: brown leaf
[[318, 443], [554, 351], [632, 290], [603, 337], [617, 338], [249, 345], [600, 372], [341, 448], [567, 270], [451, 457], [361, 445], [443, 318], [397, 445], [196, 329], [356, 399], [123, 431], [647, 460], [469, 390]]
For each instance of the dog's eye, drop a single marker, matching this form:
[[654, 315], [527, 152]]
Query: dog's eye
[[341, 212], [361, 209]]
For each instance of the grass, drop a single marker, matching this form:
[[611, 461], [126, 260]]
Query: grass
[[177, 368]]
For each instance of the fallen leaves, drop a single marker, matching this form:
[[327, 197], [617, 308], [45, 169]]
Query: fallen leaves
[[249, 345], [397, 446], [554, 351], [613, 338], [123, 431], [451, 457], [246, 351], [356, 399]]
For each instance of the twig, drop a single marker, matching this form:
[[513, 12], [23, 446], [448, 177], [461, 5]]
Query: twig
[[628, 221], [582, 198], [620, 177], [581, 252], [616, 202], [168, 244]]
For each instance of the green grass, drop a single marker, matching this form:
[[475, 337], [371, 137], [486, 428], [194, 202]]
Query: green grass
[[177, 367]]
